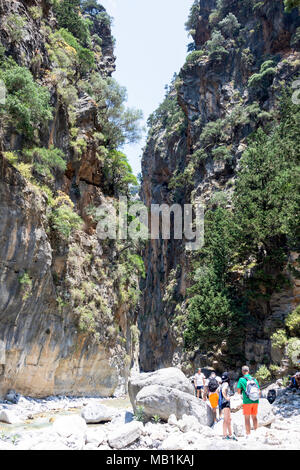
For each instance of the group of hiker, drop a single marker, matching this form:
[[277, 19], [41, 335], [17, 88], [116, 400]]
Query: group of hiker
[[217, 391]]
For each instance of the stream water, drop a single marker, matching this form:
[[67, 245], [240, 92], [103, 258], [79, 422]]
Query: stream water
[[45, 419]]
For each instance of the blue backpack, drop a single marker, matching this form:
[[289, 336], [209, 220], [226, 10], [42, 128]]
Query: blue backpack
[[221, 399]]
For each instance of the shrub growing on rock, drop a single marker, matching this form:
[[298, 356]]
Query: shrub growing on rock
[[27, 105], [279, 339], [229, 25], [293, 322], [263, 375]]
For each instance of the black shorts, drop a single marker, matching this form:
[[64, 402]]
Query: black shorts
[[225, 404], [200, 387]]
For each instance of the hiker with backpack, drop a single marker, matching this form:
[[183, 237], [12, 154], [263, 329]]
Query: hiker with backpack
[[249, 388], [224, 406], [212, 393]]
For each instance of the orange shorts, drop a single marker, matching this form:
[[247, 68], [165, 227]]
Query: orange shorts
[[214, 399], [250, 409]]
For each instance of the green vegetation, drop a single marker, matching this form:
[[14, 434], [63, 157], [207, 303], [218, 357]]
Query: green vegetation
[[27, 107], [195, 56], [192, 20], [261, 81], [139, 414], [263, 375], [15, 25], [119, 124], [279, 340], [68, 16], [291, 4], [63, 218], [229, 25], [293, 322], [267, 196], [169, 115], [36, 12], [26, 285], [91, 7], [216, 45], [118, 173], [293, 351], [44, 160], [262, 222]]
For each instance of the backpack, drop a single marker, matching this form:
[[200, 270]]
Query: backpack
[[213, 385], [221, 399], [252, 389]]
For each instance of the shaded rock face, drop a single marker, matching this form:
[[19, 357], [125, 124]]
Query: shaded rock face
[[208, 89], [42, 349]]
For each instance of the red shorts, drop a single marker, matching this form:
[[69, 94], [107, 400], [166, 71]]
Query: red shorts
[[250, 409]]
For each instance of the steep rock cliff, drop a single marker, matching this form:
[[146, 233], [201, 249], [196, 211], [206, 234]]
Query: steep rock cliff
[[64, 325], [212, 87]]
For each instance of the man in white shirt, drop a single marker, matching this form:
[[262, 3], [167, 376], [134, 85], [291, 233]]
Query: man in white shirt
[[199, 381]]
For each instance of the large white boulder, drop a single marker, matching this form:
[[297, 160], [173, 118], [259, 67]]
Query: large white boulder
[[95, 437], [72, 430], [125, 435], [265, 415], [165, 401], [170, 377], [93, 413], [9, 417]]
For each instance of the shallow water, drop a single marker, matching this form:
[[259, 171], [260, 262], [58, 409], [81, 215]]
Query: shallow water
[[45, 419]]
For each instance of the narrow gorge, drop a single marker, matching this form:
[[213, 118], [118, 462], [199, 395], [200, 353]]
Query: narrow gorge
[[79, 313]]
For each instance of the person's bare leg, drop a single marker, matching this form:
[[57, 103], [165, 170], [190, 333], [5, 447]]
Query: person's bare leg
[[198, 393], [255, 422], [214, 412], [228, 421], [224, 424], [247, 425]]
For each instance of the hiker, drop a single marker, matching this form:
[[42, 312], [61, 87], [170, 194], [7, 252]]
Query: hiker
[[199, 381], [248, 386], [224, 406], [211, 392], [295, 381]]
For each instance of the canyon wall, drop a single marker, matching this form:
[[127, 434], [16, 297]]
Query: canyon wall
[[212, 86], [63, 326]]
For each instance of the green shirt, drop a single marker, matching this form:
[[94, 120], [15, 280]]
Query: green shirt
[[242, 385]]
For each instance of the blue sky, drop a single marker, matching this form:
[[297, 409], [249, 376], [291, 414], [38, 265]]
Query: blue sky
[[151, 45]]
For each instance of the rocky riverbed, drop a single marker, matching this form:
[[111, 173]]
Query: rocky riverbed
[[67, 423]]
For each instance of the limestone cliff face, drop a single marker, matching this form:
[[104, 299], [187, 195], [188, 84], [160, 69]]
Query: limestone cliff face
[[44, 350], [208, 88]]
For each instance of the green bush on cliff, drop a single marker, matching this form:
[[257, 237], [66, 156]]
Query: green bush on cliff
[[229, 25], [15, 25], [192, 20], [213, 314], [293, 322], [169, 115], [291, 4], [119, 125], [279, 339], [27, 107], [264, 78], [216, 45], [263, 375], [195, 56], [267, 195], [63, 218], [69, 17], [293, 351], [45, 160]]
